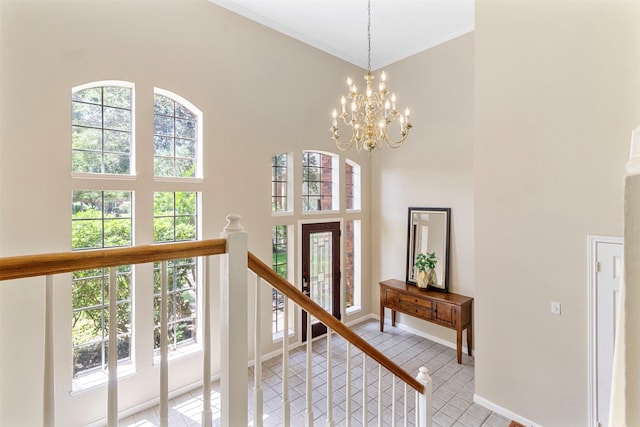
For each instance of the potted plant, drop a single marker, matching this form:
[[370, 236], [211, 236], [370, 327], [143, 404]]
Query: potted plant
[[425, 264]]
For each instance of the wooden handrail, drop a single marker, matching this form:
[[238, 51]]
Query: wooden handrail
[[65, 262], [18, 267], [282, 285]]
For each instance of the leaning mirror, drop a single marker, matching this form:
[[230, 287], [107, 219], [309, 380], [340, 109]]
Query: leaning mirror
[[428, 248]]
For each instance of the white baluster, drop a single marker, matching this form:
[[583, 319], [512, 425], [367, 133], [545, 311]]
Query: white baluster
[[329, 382], [286, 405], [48, 397], [309, 376], [406, 406], [207, 416], [112, 361], [365, 393], [234, 336], [257, 359], [393, 401], [424, 404], [348, 388], [164, 345], [380, 402]]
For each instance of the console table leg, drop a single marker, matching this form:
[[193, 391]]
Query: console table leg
[[393, 318], [381, 318], [459, 345], [469, 338]]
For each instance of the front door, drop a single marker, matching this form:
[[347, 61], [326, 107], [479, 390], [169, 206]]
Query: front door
[[321, 271]]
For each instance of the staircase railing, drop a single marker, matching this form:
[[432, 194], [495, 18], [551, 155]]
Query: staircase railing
[[234, 262], [423, 397]]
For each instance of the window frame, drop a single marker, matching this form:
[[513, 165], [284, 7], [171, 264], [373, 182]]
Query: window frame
[[290, 170], [355, 184], [132, 132], [198, 177], [334, 183], [193, 344], [97, 375]]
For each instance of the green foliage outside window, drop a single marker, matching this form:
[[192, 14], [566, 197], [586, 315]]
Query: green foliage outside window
[[100, 219], [101, 126], [175, 219]]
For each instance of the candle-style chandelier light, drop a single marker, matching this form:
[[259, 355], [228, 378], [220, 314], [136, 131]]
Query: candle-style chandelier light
[[370, 113]]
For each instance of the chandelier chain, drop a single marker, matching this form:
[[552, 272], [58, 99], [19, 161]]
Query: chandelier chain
[[369, 37]]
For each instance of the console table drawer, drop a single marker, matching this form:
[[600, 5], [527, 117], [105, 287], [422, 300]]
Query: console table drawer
[[412, 300], [416, 310]]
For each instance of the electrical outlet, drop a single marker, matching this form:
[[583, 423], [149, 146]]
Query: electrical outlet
[[555, 308]]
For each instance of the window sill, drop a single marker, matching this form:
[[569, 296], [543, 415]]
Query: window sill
[[92, 381], [277, 337], [353, 310], [179, 353], [322, 212], [103, 176], [194, 180]]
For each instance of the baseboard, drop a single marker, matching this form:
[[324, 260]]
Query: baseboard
[[502, 411], [423, 334]]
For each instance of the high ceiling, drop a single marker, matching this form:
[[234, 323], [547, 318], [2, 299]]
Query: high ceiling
[[399, 28]]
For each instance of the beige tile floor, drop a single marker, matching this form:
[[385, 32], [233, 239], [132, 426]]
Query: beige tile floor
[[453, 385]]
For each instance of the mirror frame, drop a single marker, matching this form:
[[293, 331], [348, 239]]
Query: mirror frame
[[411, 248]]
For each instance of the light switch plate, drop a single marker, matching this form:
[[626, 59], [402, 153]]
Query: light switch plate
[[555, 308]]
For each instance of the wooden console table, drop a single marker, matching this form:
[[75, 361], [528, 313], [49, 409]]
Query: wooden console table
[[447, 309]]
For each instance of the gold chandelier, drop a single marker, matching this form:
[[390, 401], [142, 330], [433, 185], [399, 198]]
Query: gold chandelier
[[371, 112]]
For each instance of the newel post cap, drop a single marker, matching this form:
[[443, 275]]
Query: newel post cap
[[423, 375], [233, 223]]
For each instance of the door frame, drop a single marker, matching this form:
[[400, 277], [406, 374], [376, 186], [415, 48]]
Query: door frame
[[299, 264], [592, 271]]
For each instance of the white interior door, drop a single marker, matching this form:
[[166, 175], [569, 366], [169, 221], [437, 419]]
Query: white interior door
[[608, 273]]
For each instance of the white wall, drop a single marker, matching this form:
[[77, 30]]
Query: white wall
[[556, 98], [261, 94], [433, 169]]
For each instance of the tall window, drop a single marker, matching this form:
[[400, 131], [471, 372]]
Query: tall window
[[175, 219], [352, 185], [101, 129], [279, 183], [175, 138], [319, 181], [280, 263], [100, 219], [352, 264]]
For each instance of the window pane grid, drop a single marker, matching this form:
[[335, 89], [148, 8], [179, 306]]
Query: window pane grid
[[94, 124], [317, 181], [279, 264], [279, 183], [175, 219], [175, 138], [100, 219]]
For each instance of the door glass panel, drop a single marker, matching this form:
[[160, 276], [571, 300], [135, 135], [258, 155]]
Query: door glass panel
[[320, 269]]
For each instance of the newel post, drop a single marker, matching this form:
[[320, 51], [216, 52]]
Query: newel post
[[234, 325], [424, 402]]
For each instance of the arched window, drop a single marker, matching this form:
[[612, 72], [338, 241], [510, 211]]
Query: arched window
[[177, 130]]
